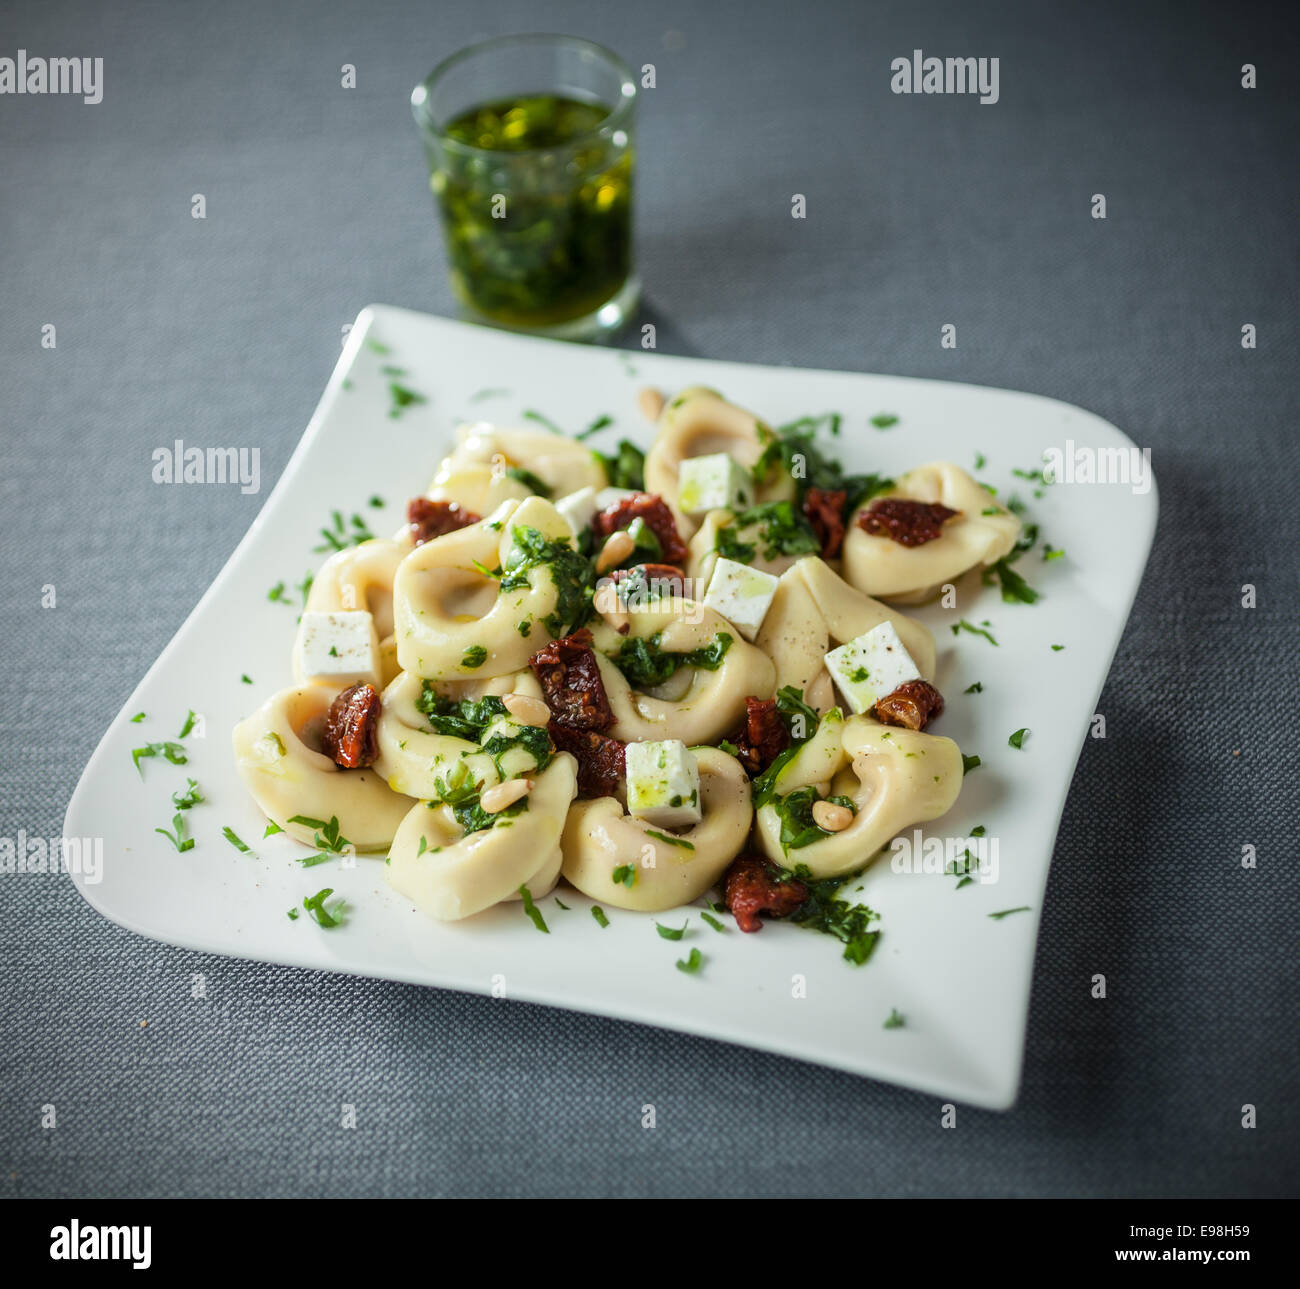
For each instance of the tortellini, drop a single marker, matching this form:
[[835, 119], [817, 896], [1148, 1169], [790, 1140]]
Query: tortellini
[[982, 533], [454, 620], [361, 579], [814, 609], [474, 800], [708, 703], [413, 757], [895, 777], [451, 874], [656, 872], [486, 466], [277, 754], [703, 555], [700, 422]]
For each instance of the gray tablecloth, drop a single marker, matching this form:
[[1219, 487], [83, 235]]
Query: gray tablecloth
[[921, 211]]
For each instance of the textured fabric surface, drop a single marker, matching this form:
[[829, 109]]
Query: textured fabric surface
[[921, 211]]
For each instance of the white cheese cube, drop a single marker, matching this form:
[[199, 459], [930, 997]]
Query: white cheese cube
[[607, 497], [579, 508], [714, 482], [741, 594], [871, 667], [663, 784], [337, 649]]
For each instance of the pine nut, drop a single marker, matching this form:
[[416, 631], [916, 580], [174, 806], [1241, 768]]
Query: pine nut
[[827, 815], [651, 403], [527, 710], [615, 550], [610, 607], [496, 798]]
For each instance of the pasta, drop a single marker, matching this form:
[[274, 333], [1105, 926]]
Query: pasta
[[466, 693], [981, 533]]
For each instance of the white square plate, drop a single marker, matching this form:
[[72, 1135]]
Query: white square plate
[[960, 978]]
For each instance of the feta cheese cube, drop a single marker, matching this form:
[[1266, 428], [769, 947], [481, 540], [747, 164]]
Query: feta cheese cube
[[337, 649], [607, 497], [871, 667], [714, 482], [579, 509], [741, 594], [663, 784]]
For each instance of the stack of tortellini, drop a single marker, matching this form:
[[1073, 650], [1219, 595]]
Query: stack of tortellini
[[441, 617]]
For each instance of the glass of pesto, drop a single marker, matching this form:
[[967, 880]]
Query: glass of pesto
[[530, 147]]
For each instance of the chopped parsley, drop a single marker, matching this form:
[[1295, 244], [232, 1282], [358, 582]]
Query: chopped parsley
[[791, 450], [137, 718], [179, 840], [790, 703], [545, 422], [644, 663], [528, 479], [711, 920], [246, 679], [798, 829], [173, 752], [1017, 740], [328, 836], [188, 799], [626, 467], [671, 933], [1057, 648], [338, 537], [466, 718], [824, 911], [460, 793], [571, 572], [402, 398], [600, 423], [533, 912], [980, 460], [963, 625], [691, 964], [969, 763], [884, 421], [233, 838], [271, 829], [781, 529], [532, 738], [624, 875], [599, 914], [895, 1019], [315, 905], [976, 688], [672, 841], [997, 917], [475, 656]]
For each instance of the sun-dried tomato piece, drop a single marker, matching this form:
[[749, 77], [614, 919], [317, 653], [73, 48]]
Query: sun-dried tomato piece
[[570, 679], [913, 705], [753, 886], [824, 510], [909, 523], [601, 759], [763, 737], [351, 734], [653, 512], [429, 519], [659, 579]]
